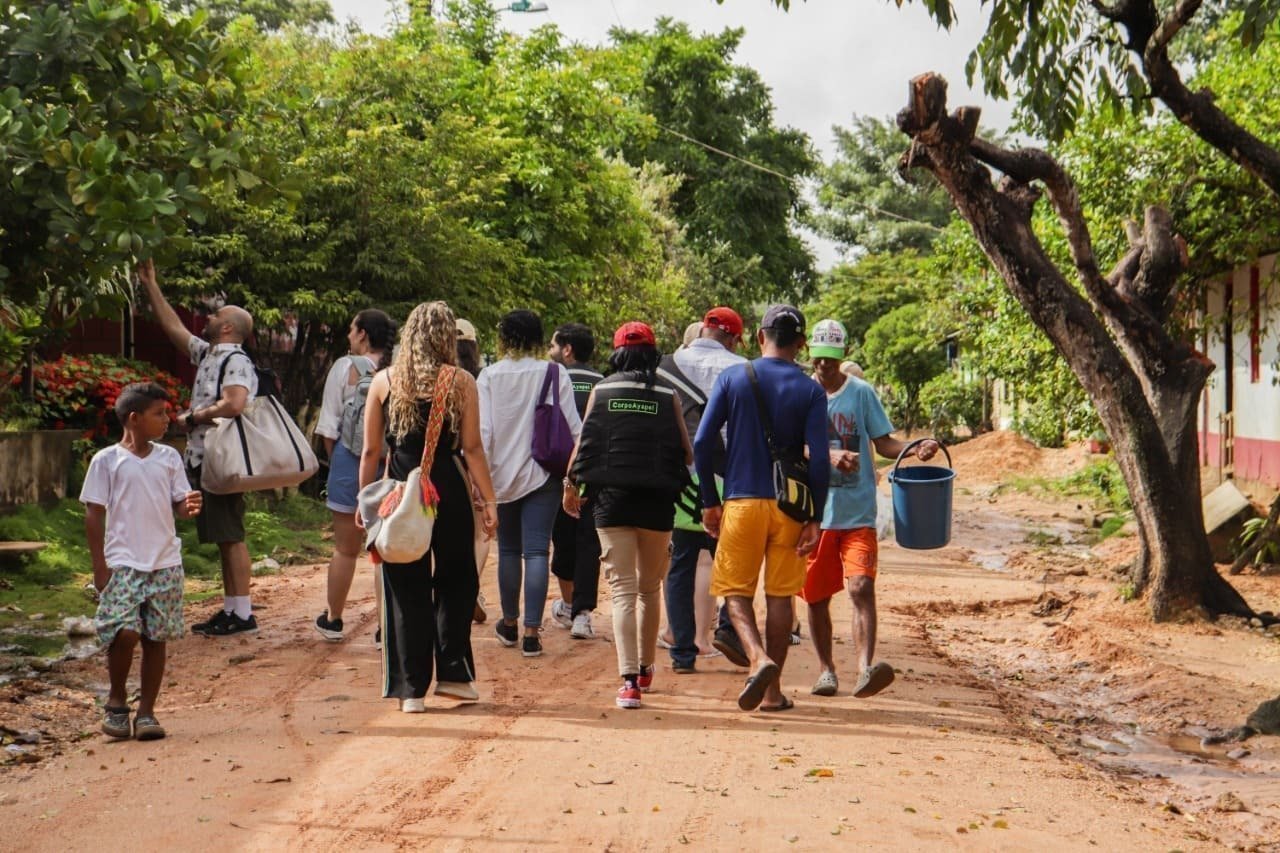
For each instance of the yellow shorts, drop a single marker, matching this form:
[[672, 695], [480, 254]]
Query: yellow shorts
[[755, 531]]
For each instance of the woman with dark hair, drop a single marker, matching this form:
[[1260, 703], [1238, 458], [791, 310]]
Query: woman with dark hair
[[427, 604], [632, 457], [528, 495], [370, 338], [469, 360], [468, 347]]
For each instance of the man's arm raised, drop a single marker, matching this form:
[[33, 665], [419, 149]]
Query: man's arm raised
[[165, 315]]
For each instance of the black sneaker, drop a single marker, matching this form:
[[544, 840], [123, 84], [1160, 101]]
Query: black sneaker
[[507, 634], [330, 629], [208, 625], [531, 647], [233, 624], [728, 644]]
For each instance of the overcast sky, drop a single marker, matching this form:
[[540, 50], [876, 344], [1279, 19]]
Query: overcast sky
[[825, 60]]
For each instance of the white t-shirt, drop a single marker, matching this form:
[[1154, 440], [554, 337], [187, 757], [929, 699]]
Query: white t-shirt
[[508, 393], [338, 390], [139, 494]]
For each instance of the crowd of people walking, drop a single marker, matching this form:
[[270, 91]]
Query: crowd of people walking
[[633, 473]]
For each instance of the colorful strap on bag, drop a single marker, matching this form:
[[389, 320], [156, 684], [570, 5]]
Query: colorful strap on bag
[[435, 423]]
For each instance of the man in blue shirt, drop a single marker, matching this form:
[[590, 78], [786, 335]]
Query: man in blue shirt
[[847, 550], [750, 526]]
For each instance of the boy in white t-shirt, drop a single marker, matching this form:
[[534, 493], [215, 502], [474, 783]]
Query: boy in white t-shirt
[[131, 493]]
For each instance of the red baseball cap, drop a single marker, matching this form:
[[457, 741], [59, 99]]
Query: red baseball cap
[[632, 334], [725, 319]]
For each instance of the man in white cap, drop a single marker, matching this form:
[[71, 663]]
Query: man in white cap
[[847, 552]]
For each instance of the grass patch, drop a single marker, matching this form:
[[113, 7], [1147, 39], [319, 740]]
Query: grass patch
[[1043, 538], [289, 530], [1099, 482], [1110, 527]]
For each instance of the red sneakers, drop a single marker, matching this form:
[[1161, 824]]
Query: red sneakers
[[628, 696], [645, 680]]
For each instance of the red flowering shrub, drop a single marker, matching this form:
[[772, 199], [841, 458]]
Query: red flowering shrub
[[79, 392]]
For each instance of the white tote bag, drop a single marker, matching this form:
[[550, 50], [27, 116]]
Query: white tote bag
[[261, 448], [400, 516]]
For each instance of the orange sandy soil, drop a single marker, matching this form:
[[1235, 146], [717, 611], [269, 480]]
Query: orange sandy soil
[[1076, 729]]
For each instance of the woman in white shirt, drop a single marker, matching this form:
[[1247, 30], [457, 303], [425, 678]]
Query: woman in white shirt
[[370, 339], [528, 495]]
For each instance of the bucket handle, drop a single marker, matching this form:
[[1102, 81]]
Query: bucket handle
[[912, 445]]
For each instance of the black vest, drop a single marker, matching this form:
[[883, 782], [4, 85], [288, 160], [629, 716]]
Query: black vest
[[583, 379], [630, 439]]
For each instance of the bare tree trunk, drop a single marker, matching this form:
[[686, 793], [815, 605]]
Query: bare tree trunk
[[1144, 384]]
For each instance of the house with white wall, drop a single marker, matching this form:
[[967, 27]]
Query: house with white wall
[[1240, 408]]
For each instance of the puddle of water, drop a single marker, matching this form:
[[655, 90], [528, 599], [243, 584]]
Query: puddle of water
[[991, 562]]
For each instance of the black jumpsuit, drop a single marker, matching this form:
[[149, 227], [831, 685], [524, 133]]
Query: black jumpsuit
[[426, 615]]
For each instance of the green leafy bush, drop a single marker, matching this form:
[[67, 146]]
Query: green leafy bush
[[949, 401], [1268, 553]]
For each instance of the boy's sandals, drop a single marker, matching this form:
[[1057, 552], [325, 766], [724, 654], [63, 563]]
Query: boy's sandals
[[115, 722], [826, 685], [873, 680], [785, 705], [147, 727]]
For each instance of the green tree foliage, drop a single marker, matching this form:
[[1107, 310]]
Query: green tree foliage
[[860, 292], [740, 218], [899, 351], [113, 121], [447, 161], [864, 204], [1222, 212], [269, 14], [951, 400]]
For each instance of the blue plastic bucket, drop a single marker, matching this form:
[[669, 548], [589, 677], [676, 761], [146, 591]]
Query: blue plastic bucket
[[922, 502]]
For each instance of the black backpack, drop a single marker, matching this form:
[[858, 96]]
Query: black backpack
[[268, 381]]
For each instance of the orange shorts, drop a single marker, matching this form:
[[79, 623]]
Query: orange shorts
[[840, 554]]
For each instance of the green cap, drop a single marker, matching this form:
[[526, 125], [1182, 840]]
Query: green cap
[[828, 339]]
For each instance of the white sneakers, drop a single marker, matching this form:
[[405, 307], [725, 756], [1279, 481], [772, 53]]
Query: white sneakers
[[562, 613], [581, 629], [413, 706]]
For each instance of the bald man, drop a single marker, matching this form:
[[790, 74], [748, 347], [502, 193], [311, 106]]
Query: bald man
[[226, 381]]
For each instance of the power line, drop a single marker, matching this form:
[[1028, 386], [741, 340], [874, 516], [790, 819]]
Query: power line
[[790, 178]]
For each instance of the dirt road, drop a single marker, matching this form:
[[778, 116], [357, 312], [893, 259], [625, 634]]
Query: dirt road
[[279, 741]]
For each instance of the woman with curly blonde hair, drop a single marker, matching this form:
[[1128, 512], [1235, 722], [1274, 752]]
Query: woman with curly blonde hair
[[427, 604]]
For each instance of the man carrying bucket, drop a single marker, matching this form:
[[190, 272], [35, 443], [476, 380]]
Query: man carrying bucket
[[847, 552]]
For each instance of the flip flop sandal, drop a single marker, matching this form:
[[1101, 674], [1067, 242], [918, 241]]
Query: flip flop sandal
[[786, 705], [147, 728], [115, 722], [826, 685], [760, 681], [873, 680]]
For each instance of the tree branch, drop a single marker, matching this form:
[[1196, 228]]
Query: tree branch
[[1179, 16], [1150, 40], [1161, 264]]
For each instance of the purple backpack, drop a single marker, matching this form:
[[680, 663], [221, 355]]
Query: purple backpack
[[552, 438]]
